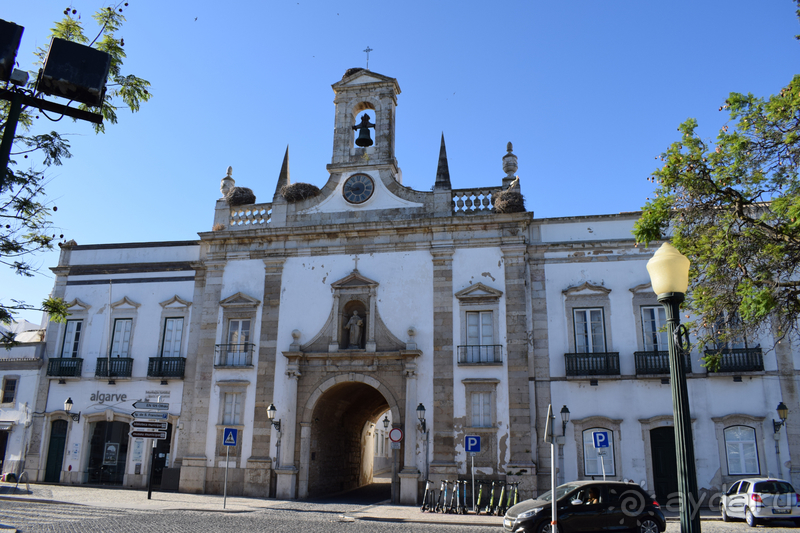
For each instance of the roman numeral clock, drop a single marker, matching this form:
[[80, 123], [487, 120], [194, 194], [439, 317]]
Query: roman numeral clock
[[358, 188]]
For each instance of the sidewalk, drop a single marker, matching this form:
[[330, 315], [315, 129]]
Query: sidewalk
[[177, 501]]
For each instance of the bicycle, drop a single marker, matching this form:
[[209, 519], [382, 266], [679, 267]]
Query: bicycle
[[429, 498]]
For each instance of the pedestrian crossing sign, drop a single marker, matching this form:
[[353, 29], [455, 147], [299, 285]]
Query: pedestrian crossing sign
[[229, 436]]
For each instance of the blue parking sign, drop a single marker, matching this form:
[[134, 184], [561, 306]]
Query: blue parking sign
[[473, 443], [600, 439], [229, 436]]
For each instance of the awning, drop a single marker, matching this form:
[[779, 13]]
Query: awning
[[5, 426]]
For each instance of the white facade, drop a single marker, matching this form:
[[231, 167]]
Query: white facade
[[370, 299]]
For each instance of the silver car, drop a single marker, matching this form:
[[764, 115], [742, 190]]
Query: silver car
[[760, 499]]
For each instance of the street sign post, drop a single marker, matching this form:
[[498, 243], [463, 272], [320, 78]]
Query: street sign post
[[472, 443], [158, 406], [229, 438], [150, 414], [601, 445]]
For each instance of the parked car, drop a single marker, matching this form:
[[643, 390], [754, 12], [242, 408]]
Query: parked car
[[760, 499], [589, 506]]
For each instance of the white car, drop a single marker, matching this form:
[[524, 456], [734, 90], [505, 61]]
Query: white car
[[760, 499]]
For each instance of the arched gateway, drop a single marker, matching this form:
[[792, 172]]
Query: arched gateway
[[335, 424], [341, 387]]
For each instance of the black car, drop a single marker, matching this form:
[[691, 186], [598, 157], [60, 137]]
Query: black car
[[589, 506]]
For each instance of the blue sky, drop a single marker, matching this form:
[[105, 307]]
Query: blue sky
[[590, 92]]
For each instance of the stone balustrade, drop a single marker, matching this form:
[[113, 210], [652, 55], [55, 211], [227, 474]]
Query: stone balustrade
[[474, 201], [247, 216]]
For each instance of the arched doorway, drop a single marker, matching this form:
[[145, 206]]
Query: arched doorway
[[337, 443]]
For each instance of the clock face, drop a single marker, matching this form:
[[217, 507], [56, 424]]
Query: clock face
[[358, 188]]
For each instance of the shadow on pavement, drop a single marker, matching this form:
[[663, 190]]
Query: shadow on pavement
[[366, 495]]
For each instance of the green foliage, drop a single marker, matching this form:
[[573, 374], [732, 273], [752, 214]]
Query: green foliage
[[25, 223], [733, 208]]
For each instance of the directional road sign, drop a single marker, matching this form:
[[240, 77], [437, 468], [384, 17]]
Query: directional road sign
[[158, 406], [473, 443], [149, 434], [160, 426], [153, 415], [229, 436]]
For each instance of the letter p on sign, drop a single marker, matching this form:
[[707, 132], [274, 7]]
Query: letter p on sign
[[600, 439], [473, 443]]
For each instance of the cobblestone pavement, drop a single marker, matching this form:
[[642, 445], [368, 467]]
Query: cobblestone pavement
[[61, 508]]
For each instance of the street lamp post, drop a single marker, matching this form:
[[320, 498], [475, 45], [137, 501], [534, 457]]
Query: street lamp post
[[669, 276], [783, 414], [561, 442]]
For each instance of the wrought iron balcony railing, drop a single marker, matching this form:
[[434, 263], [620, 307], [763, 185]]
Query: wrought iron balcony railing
[[166, 367], [483, 354], [738, 360], [592, 364], [657, 362], [121, 367], [65, 367], [234, 354]]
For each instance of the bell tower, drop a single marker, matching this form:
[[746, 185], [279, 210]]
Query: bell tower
[[364, 126]]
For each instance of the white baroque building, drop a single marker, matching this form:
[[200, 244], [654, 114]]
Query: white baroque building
[[371, 299]]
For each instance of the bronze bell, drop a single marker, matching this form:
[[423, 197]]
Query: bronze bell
[[364, 139]]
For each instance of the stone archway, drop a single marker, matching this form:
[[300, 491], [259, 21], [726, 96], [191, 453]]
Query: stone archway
[[332, 433]]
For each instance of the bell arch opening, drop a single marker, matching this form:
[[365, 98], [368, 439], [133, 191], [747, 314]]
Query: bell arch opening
[[363, 119], [345, 423]]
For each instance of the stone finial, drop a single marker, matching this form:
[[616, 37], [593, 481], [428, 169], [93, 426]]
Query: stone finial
[[509, 166], [227, 182], [443, 170]]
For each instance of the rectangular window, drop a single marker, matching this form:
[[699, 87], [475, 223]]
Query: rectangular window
[[72, 338], [591, 460], [480, 329], [481, 409], [9, 390], [740, 447], [589, 333], [173, 333], [653, 319], [239, 331], [232, 413], [121, 341]]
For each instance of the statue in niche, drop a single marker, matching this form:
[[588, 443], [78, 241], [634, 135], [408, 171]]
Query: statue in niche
[[355, 325]]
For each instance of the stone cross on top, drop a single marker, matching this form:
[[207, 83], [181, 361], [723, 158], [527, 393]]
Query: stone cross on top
[[367, 50]]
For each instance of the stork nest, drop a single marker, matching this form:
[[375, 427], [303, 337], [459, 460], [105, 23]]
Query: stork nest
[[509, 202], [297, 192], [240, 196]]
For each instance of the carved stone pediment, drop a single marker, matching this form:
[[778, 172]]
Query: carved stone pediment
[[77, 305], [125, 303], [587, 289], [354, 301], [176, 302], [478, 292], [353, 281], [239, 299], [645, 289]]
